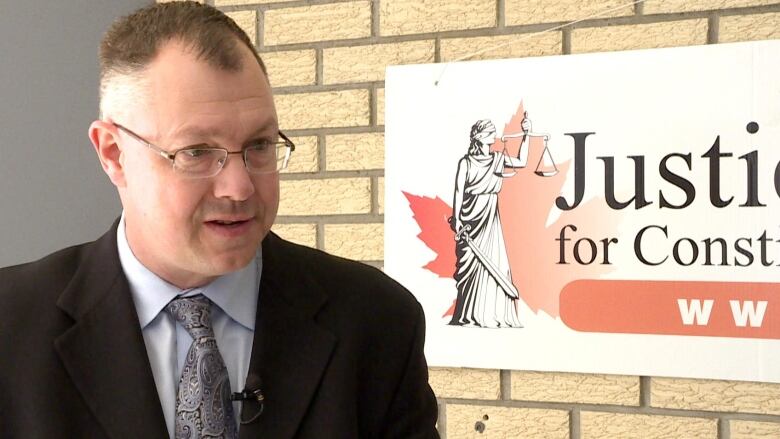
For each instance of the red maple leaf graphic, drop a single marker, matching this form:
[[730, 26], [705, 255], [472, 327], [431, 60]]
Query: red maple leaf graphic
[[431, 215]]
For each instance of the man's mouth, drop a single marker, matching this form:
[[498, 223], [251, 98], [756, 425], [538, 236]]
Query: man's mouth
[[227, 223]]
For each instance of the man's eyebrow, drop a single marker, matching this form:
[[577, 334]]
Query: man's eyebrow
[[263, 132], [195, 132]]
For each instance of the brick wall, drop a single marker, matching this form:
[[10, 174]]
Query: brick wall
[[326, 61]]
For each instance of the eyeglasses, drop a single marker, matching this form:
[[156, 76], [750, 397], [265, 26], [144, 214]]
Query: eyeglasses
[[261, 157]]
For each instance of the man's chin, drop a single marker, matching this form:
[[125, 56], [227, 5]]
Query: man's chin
[[232, 261]]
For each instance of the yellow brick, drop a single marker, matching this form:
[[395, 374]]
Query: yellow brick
[[465, 383], [639, 36], [246, 20], [400, 17], [362, 242], [355, 151], [381, 194], [505, 46], [754, 430], [367, 63], [749, 27], [380, 106], [594, 425], [575, 387], [293, 67], [246, 2], [665, 6], [716, 395], [304, 158], [337, 21], [505, 422], [304, 234], [325, 196], [343, 108], [535, 11]]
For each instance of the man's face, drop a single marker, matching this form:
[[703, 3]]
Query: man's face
[[189, 231]]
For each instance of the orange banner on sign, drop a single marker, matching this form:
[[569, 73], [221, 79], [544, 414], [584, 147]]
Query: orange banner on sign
[[716, 309]]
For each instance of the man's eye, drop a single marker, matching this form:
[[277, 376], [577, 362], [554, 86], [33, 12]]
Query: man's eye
[[196, 153], [261, 146]]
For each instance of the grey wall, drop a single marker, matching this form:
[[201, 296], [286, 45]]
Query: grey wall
[[53, 192]]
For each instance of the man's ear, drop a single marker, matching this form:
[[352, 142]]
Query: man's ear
[[104, 138]]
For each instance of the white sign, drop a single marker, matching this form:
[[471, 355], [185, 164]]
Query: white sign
[[601, 213]]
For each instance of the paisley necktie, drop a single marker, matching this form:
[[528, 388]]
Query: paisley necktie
[[203, 407]]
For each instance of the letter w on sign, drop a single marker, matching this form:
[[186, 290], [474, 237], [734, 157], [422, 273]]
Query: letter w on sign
[[747, 311], [693, 313]]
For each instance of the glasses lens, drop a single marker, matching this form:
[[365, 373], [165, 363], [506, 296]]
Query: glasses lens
[[199, 162], [266, 157]]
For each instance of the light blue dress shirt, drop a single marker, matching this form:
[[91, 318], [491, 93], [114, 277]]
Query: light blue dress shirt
[[234, 304]]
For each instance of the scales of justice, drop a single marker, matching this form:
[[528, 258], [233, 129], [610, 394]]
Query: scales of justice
[[545, 167]]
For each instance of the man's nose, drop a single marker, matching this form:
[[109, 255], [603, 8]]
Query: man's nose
[[233, 181]]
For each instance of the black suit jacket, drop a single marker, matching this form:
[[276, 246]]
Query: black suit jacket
[[338, 346]]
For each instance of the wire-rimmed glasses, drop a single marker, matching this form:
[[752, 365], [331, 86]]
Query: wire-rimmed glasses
[[261, 157]]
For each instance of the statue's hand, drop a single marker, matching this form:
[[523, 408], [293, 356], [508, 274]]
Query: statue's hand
[[526, 125], [460, 231]]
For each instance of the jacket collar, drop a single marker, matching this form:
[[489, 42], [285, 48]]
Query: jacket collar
[[104, 351], [290, 350]]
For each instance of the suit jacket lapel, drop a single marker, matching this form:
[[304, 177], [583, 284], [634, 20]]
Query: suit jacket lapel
[[290, 351], [104, 351]]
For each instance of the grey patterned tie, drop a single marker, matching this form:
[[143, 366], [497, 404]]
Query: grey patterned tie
[[203, 407]]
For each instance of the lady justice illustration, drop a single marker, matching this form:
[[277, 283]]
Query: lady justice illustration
[[486, 296]]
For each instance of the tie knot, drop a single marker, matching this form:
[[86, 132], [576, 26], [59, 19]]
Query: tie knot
[[194, 314]]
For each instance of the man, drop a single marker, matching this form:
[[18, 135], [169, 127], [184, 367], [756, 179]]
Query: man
[[189, 299]]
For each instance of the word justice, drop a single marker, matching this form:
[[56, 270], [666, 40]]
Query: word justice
[[639, 199]]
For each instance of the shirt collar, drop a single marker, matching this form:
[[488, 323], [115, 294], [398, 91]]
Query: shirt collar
[[235, 293]]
